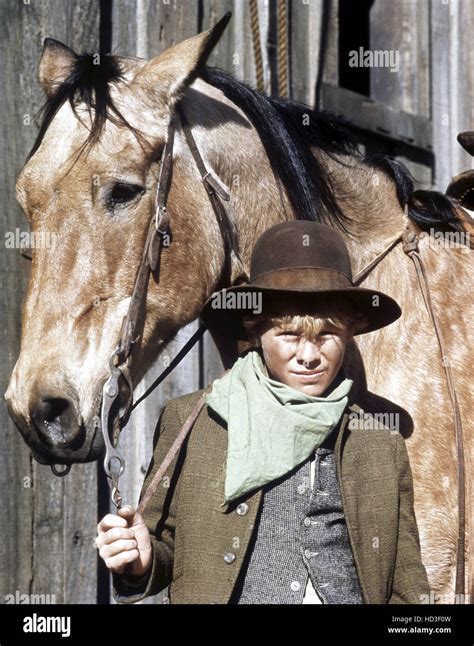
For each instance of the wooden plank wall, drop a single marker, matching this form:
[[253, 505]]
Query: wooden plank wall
[[46, 545], [403, 27], [452, 85], [47, 523]]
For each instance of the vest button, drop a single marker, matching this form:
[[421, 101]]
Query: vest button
[[307, 521], [295, 586], [242, 509], [301, 488], [229, 557], [308, 554]]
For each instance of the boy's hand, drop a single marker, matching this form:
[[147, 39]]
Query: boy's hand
[[124, 538]]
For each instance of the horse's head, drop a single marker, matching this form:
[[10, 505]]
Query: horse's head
[[90, 184]]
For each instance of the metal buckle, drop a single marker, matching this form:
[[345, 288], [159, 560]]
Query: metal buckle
[[58, 472], [161, 214], [210, 189]]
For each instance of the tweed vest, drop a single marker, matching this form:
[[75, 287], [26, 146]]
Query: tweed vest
[[301, 532]]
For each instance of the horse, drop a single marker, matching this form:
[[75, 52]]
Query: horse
[[91, 179]]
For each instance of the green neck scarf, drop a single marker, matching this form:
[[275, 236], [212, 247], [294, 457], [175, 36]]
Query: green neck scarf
[[272, 427]]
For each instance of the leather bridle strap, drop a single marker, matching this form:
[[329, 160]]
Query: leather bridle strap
[[158, 228], [363, 273], [410, 241], [178, 442], [119, 363], [181, 354], [216, 192]]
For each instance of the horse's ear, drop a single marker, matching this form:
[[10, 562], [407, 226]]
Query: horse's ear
[[55, 65], [171, 72]]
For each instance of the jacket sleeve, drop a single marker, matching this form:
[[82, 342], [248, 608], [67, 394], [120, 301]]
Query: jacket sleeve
[[410, 582], [159, 517]]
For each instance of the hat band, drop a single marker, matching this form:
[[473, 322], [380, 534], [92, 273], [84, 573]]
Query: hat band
[[302, 279]]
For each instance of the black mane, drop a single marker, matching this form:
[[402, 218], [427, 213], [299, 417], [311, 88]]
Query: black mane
[[288, 130], [289, 140], [290, 133]]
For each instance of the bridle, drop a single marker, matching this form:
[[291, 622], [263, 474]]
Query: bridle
[[410, 243], [113, 419]]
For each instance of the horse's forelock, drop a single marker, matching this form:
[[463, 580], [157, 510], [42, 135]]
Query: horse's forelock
[[88, 83]]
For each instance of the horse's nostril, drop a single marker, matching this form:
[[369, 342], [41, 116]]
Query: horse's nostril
[[55, 420], [53, 408]]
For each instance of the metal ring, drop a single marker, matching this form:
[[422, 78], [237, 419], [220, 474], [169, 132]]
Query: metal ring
[[60, 474], [121, 465]]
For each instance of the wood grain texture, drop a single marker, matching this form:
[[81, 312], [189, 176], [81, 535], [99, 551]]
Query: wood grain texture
[[46, 542], [305, 55], [452, 85], [402, 27]]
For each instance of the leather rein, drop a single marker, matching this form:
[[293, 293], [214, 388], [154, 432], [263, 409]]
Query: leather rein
[[112, 417], [410, 243]]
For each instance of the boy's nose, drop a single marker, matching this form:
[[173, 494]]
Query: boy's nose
[[308, 353]]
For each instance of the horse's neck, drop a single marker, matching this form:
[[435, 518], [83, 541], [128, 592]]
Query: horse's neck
[[239, 159], [368, 198]]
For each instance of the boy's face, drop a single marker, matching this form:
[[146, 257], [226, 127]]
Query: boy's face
[[308, 365]]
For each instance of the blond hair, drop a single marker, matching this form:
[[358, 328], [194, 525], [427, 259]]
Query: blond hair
[[342, 317]]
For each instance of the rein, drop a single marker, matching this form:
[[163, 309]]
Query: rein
[[114, 418], [410, 240]]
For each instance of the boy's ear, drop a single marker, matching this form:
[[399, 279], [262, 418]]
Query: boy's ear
[[169, 74]]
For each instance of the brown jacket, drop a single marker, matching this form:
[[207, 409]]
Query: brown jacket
[[191, 531]]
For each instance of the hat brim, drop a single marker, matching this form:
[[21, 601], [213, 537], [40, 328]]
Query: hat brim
[[218, 313]]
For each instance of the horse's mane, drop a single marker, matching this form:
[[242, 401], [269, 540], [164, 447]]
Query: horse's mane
[[290, 132], [290, 148]]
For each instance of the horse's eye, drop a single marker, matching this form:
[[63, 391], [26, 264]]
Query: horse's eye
[[122, 193]]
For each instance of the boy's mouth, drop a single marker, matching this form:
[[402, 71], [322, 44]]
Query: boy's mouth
[[309, 374]]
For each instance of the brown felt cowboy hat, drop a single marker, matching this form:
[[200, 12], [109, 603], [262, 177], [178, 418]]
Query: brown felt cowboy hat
[[300, 260]]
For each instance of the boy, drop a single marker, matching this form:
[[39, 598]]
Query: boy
[[275, 497]]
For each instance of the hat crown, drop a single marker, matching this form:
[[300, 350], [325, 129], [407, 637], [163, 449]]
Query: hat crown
[[307, 263], [300, 244]]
